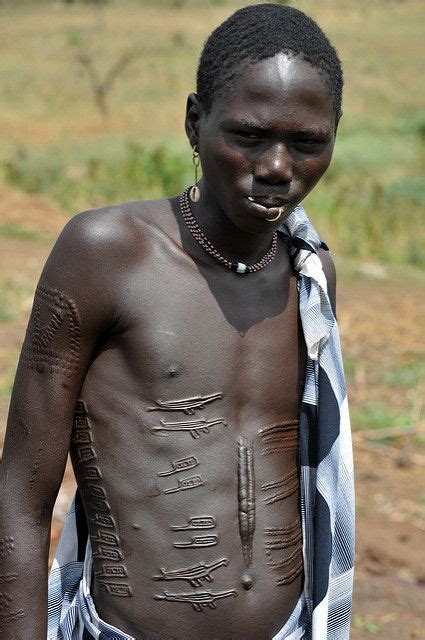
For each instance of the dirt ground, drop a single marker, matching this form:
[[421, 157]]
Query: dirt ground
[[379, 322]]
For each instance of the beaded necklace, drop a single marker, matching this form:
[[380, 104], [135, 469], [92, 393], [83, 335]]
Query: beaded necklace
[[200, 237]]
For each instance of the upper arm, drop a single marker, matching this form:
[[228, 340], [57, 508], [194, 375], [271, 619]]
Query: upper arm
[[72, 307], [330, 273]]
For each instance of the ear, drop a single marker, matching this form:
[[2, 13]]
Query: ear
[[193, 117]]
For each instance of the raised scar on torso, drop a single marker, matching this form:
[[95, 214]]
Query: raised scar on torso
[[194, 575], [194, 427], [197, 541], [197, 522], [187, 405], [198, 600]]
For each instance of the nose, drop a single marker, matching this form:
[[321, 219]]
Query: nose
[[274, 166]]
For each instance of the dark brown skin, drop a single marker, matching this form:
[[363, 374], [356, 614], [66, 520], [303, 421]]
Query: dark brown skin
[[146, 317]]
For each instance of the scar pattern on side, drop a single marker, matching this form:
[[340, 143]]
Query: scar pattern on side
[[282, 537], [200, 600], [283, 562], [246, 497], [194, 575], [187, 405], [197, 522], [197, 541], [194, 427], [277, 538], [288, 483], [54, 332], [291, 575], [7, 545], [106, 541], [6, 615], [180, 465], [184, 484], [280, 437]]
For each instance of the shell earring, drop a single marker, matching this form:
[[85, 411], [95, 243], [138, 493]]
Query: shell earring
[[195, 192]]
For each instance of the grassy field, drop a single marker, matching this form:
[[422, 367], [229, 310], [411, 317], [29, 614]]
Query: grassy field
[[56, 142]]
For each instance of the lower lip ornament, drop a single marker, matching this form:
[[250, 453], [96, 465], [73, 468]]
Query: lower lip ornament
[[267, 210], [279, 213]]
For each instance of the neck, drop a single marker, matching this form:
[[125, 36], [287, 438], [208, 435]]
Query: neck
[[232, 242]]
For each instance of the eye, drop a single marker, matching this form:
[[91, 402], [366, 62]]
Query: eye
[[310, 145], [248, 136]]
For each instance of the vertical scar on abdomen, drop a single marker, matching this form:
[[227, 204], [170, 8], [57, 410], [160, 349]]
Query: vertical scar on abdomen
[[246, 497]]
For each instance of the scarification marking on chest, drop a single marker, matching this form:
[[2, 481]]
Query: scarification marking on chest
[[246, 497], [194, 575], [186, 405], [180, 465], [196, 522], [197, 541], [194, 427], [184, 484]]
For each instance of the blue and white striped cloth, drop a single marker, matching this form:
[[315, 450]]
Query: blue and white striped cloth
[[326, 482]]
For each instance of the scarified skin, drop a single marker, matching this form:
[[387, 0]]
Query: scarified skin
[[289, 482], [194, 575], [284, 542], [290, 576], [8, 577], [187, 405], [194, 427], [199, 600], [279, 531], [106, 539], [280, 564], [279, 438], [196, 522], [246, 497], [54, 320]]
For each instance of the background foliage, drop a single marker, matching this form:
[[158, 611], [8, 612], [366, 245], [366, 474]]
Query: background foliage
[[370, 203]]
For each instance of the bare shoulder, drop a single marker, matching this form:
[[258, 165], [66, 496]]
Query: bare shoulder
[[329, 269], [112, 233]]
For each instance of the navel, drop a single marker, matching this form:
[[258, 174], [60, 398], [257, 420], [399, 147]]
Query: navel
[[247, 581]]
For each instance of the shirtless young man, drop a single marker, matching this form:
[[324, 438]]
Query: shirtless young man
[[176, 381]]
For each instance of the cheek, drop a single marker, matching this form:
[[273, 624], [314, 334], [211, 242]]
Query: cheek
[[224, 159], [310, 171]]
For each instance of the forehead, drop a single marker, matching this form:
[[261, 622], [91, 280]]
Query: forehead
[[276, 88]]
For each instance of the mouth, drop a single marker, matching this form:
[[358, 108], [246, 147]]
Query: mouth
[[271, 209]]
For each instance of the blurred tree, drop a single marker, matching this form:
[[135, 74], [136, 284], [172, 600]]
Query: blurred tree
[[101, 86]]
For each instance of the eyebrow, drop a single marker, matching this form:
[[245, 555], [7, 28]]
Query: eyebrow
[[310, 131]]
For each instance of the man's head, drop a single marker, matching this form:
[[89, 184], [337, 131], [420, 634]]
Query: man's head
[[258, 32], [265, 116]]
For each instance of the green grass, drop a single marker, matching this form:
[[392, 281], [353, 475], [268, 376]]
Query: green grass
[[359, 622], [370, 204], [404, 375], [377, 415], [13, 296], [15, 231]]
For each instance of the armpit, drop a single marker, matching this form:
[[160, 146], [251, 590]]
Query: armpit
[[53, 336]]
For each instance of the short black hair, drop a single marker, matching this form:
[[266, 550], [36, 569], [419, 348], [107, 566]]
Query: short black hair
[[261, 31]]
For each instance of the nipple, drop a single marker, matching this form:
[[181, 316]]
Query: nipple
[[247, 582]]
